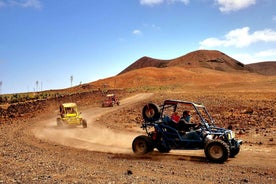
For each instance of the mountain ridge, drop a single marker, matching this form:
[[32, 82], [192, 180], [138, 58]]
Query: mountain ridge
[[265, 68], [211, 59]]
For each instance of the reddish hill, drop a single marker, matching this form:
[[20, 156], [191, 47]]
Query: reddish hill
[[202, 68], [265, 68], [181, 78], [146, 62], [211, 59]]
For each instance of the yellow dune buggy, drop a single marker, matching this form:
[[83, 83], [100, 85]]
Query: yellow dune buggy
[[69, 116]]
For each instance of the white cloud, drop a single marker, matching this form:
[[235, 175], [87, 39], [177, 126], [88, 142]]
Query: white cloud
[[246, 58], [155, 2], [180, 1], [150, 2], [266, 53], [234, 5], [23, 3], [240, 38], [136, 32]]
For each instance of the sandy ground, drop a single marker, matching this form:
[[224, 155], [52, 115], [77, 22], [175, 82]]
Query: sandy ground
[[95, 137], [38, 152]]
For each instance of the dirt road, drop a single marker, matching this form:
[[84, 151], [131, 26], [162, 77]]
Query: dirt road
[[38, 152], [95, 137]]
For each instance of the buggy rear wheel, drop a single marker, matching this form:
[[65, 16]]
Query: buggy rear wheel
[[142, 145], [84, 123], [151, 112], [217, 151]]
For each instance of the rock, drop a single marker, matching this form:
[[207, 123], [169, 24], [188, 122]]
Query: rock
[[129, 172], [244, 181], [249, 110]]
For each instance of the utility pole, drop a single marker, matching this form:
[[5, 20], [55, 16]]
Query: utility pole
[[36, 84], [1, 87], [71, 79]]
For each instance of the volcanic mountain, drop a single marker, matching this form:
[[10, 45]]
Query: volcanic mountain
[[199, 69], [211, 59]]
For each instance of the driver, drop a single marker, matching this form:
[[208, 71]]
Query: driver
[[184, 123]]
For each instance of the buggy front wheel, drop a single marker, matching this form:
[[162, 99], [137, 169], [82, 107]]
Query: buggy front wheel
[[234, 152], [217, 151], [142, 145]]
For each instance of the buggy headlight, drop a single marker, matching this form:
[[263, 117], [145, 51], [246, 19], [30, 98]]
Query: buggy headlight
[[231, 135], [209, 137]]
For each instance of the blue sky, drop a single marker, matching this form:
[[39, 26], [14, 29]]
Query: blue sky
[[45, 42]]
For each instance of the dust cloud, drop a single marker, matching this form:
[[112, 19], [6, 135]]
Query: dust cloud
[[94, 137], [91, 138]]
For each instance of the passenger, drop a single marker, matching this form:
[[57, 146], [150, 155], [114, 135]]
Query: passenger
[[175, 117], [173, 120], [71, 111]]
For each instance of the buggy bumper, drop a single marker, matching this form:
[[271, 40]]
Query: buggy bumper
[[239, 142], [72, 121], [234, 143]]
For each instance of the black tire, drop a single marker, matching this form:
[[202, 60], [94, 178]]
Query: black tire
[[59, 122], [142, 145], [84, 123], [151, 112], [217, 151], [163, 149], [234, 152], [162, 146]]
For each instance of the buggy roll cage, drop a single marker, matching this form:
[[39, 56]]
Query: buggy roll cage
[[196, 106]]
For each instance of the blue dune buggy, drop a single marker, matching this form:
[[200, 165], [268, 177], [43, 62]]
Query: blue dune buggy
[[164, 133]]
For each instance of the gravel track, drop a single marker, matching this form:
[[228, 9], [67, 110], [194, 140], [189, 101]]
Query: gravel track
[[36, 151]]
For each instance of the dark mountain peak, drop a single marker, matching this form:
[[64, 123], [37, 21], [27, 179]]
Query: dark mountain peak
[[212, 59], [145, 62]]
